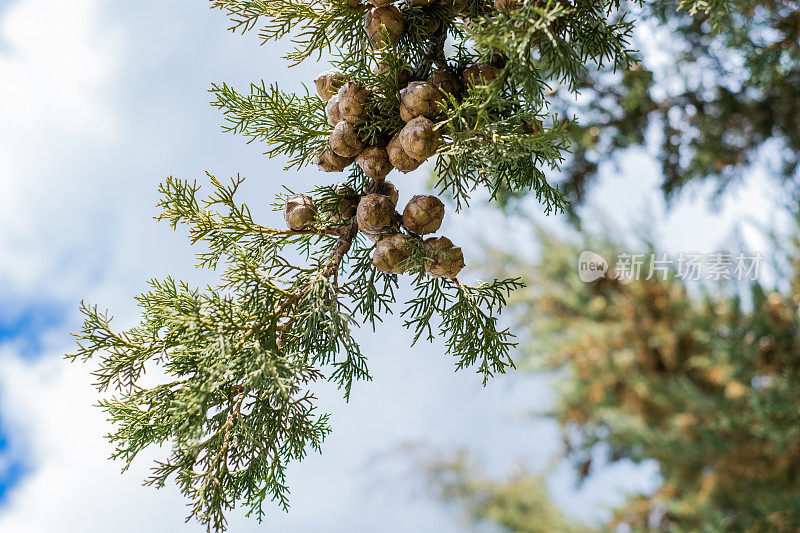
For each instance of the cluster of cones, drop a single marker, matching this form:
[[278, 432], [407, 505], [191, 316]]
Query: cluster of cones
[[376, 216], [421, 102]]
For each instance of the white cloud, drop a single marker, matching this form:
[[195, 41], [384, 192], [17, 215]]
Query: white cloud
[[56, 67], [47, 410], [56, 60]]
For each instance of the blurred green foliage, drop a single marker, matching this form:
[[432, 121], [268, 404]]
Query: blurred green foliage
[[717, 92], [519, 504], [703, 379]]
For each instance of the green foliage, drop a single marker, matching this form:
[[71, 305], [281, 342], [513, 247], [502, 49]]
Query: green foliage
[[481, 152], [293, 126], [315, 26], [555, 41], [519, 504], [468, 321], [488, 139], [702, 380], [237, 361], [715, 95]]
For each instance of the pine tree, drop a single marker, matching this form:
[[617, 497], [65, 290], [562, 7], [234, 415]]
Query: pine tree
[[702, 380], [461, 82]]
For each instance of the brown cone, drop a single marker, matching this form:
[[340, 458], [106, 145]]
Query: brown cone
[[328, 161], [480, 74], [387, 188], [352, 99], [328, 83], [505, 5], [299, 212], [445, 81], [430, 24], [532, 126], [344, 140], [374, 161], [389, 17], [332, 111], [418, 139], [419, 99], [379, 3], [375, 213], [423, 214], [390, 252], [344, 189], [459, 7], [347, 204], [399, 158], [444, 260]]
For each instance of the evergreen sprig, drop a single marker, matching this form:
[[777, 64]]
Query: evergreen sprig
[[540, 43], [235, 362], [292, 125], [468, 321], [492, 143], [315, 26]]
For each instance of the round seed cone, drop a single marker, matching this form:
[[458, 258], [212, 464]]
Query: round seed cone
[[374, 161], [387, 188], [444, 259], [389, 17], [299, 212], [399, 158], [480, 74], [332, 111], [505, 5], [418, 138], [352, 100], [328, 161], [347, 205], [390, 252], [344, 140], [445, 81], [458, 7], [420, 99], [375, 213], [423, 214], [328, 83]]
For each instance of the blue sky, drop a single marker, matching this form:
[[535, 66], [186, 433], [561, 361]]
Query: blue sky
[[99, 101]]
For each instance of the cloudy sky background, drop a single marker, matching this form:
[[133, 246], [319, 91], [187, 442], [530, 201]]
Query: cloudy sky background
[[99, 101]]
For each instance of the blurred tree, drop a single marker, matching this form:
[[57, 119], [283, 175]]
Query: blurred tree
[[702, 379], [519, 504], [717, 89]]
